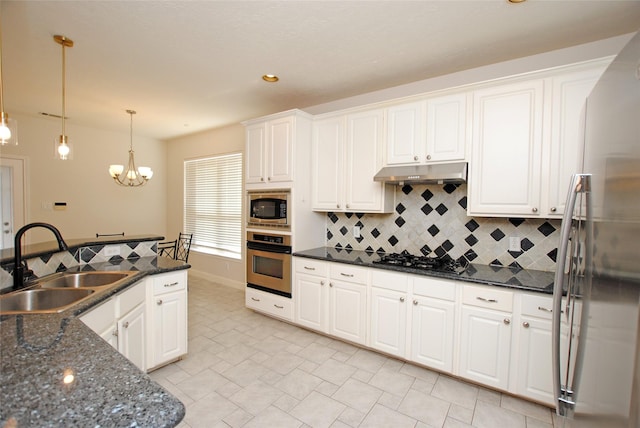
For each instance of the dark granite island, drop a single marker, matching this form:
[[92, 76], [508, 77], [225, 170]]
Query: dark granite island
[[55, 371]]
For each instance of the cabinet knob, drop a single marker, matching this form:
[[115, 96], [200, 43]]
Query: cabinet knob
[[525, 324], [126, 324], [402, 299], [321, 282], [415, 158], [507, 321], [347, 206], [534, 209], [268, 178], [428, 157], [261, 178], [415, 302], [115, 332], [159, 302], [331, 284], [338, 206], [553, 209]]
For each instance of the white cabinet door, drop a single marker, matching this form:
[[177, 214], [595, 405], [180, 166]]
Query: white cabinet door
[[132, 336], [432, 333], [570, 92], [328, 164], [102, 320], [405, 133], [506, 150], [348, 311], [256, 147], [280, 150], [446, 128], [311, 301], [485, 346], [388, 321], [534, 377], [169, 327], [364, 160]]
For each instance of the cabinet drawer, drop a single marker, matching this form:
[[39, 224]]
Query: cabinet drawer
[[344, 272], [311, 267], [271, 304], [488, 297], [436, 288], [130, 298], [537, 306], [390, 280], [169, 283]]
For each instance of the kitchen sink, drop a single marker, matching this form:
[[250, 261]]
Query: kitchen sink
[[82, 279], [57, 292], [42, 300]]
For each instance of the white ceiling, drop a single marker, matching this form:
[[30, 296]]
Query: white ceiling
[[186, 66]]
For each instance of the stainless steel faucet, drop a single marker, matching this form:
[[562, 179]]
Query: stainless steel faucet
[[20, 265]]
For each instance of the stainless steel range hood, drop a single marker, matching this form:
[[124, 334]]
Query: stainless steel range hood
[[425, 174]]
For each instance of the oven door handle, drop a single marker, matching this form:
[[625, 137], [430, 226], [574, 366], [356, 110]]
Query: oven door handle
[[270, 248]]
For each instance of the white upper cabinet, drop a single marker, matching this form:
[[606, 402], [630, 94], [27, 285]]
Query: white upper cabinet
[[432, 130], [526, 143], [346, 154], [271, 148], [506, 150]]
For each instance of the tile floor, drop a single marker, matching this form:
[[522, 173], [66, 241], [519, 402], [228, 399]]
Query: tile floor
[[248, 370]]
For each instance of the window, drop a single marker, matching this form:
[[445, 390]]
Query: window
[[213, 204]]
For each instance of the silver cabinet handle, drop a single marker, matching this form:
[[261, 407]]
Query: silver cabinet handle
[[172, 284], [309, 268], [255, 300], [541, 308], [159, 302], [506, 321], [534, 209], [487, 300], [415, 158], [402, 299], [348, 275], [279, 307], [553, 209], [415, 302], [428, 157], [126, 324], [525, 324]]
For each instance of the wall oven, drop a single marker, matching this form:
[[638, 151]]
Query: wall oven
[[268, 208], [269, 262]]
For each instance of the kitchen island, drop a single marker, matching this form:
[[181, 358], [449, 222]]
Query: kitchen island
[[55, 371]]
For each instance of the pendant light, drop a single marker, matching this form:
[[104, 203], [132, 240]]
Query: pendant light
[[133, 176], [62, 142], [8, 126]]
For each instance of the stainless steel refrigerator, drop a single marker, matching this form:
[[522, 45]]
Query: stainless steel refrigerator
[[596, 316]]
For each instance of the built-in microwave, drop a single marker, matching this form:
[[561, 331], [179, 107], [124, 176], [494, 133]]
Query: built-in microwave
[[269, 208]]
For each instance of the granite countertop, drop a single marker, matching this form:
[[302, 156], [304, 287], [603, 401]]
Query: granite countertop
[[38, 350], [523, 279]]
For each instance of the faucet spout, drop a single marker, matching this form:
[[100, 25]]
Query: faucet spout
[[19, 267]]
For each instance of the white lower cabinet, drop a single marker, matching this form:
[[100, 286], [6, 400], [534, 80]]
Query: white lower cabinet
[[485, 335], [121, 322], [433, 323], [331, 298], [167, 297], [271, 304], [388, 323]]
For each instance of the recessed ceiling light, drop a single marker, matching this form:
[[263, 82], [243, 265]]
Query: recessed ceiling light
[[271, 78]]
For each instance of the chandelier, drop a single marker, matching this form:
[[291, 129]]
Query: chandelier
[[133, 176], [62, 142]]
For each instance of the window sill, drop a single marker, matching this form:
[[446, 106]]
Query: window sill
[[218, 253]]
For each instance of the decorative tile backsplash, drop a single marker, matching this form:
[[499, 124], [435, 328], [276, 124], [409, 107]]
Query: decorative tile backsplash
[[432, 220]]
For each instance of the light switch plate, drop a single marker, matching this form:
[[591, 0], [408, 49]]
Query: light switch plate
[[356, 231], [514, 243]]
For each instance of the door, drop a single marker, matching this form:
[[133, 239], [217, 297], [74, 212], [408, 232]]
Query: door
[[310, 301], [12, 198], [348, 311], [170, 327], [388, 321], [327, 164], [280, 146], [433, 333], [132, 337]]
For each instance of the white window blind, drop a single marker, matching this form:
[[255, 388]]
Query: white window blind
[[213, 203]]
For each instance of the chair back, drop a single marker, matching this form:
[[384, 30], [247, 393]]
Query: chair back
[[183, 246], [167, 249]]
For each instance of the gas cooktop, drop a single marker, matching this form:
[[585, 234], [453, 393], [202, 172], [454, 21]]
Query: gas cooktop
[[435, 264]]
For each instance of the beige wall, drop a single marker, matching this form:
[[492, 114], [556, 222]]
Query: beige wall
[[94, 203], [229, 139]]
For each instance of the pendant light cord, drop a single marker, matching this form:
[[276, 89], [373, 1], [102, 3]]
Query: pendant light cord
[[63, 85]]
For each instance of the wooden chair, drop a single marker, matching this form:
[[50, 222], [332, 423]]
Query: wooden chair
[[178, 249]]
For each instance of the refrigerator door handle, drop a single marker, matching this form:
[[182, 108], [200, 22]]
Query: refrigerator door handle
[[579, 184]]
